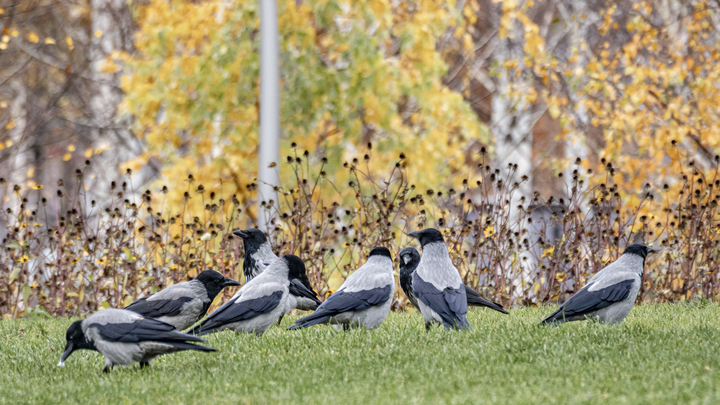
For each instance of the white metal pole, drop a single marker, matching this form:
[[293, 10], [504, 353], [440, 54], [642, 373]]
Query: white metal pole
[[269, 107]]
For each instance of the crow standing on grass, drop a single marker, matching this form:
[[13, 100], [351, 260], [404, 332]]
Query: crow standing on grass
[[183, 304], [610, 294], [124, 337], [259, 255], [409, 260], [258, 304], [436, 284], [362, 300]]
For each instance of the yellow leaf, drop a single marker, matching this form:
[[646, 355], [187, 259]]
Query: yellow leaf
[[38, 187], [554, 111], [49, 41], [549, 251], [14, 275], [3, 46], [88, 152], [67, 157], [30, 171], [531, 95], [32, 37], [98, 34], [10, 125], [69, 43], [71, 148], [14, 33]]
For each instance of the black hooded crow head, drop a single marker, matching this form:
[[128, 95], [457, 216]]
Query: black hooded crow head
[[296, 269], [76, 340], [639, 250], [380, 251], [214, 282], [252, 238], [427, 236], [409, 259]]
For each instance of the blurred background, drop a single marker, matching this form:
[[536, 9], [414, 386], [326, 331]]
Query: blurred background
[[142, 117]]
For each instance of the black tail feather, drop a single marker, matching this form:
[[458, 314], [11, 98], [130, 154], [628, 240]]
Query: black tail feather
[[310, 320], [202, 329], [474, 299], [555, 318], [189, 346]]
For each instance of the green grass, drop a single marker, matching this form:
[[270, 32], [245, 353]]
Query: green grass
[[661, 354]]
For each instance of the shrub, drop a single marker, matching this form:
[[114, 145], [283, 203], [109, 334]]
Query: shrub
[[67, 255]]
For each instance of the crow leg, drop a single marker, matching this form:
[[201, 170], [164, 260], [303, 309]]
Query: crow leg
[[280, 319]]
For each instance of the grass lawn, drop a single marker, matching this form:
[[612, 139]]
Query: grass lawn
[[665, 354]]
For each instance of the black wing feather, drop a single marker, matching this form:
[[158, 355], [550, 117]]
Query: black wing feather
[[158, 308], [232, 312], [586, 302], [450, 303], [143, 330], [343, 301]]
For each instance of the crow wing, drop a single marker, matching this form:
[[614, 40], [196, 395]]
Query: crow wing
[[343, 301], [586, 302], [158, 307], [237, 309], [142, 330], [450, 303]]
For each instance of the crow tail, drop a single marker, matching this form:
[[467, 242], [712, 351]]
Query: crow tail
[[474, 299]]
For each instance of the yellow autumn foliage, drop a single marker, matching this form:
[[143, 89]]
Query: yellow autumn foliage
[[352, 73]]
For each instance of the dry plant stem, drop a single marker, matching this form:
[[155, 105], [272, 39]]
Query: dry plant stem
[[129, 247]]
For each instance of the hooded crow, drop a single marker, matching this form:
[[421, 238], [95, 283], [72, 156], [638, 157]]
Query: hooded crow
[[183, 304], [258, 304], [610, 294], [259, 254], [436, 284], [409, 260], [124, 337], [362, 300]]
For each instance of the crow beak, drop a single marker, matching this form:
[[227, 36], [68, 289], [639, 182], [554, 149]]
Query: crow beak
[[415, 235], [68, 351], [651, 250], [241, 234], [230, 282]]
